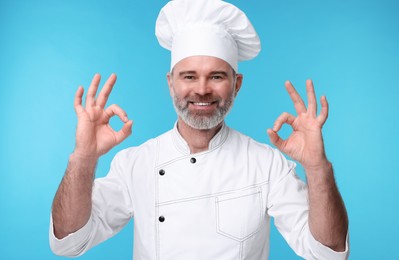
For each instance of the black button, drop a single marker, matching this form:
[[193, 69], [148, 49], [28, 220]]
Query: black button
[[161, 172], [161, 218], [193, 160]]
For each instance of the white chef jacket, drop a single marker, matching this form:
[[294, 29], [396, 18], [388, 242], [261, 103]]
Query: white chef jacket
[[216, 204]]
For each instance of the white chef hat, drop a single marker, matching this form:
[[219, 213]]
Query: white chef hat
[[206, 27]]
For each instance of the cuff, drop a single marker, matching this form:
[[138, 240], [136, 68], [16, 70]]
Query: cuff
[[74, 244], [320, 251]]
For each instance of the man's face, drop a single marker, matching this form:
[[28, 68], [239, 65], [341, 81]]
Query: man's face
[[203, 89]]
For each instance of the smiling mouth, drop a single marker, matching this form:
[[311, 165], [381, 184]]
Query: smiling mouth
[[202, 103]]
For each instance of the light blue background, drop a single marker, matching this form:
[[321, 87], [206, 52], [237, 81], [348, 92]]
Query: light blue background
[[350, 48]]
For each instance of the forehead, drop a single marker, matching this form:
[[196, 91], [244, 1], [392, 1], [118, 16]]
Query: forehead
[[202, 64]]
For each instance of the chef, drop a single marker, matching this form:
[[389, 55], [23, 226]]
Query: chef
[[201, 190]]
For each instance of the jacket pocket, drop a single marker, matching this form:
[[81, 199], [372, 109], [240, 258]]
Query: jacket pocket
[[239, 214]]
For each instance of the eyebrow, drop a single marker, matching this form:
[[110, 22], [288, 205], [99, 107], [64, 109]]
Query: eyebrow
[[224, 73], [182, 73], [190, 72]]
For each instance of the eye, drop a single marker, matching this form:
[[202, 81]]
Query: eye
[[217, 77], [188, 77]]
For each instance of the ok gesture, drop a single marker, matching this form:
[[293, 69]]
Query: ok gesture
[[94, 135], [305, 144]]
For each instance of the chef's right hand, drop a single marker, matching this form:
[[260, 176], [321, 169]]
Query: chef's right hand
[[94, 135]]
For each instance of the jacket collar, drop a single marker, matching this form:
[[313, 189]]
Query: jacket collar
[[215, 142]]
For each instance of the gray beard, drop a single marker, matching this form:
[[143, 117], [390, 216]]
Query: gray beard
[[200, 121]]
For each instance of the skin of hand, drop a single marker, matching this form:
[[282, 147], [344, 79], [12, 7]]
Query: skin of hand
[[327, 214], [305, 144], [94, 137]]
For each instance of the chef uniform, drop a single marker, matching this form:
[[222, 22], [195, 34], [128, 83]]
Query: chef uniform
[[215, 204]]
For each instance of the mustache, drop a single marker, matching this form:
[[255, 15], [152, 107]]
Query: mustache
[[208, 98]]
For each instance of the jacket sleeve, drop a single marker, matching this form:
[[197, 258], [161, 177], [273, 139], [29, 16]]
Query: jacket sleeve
[[289, 206], [111, 210]]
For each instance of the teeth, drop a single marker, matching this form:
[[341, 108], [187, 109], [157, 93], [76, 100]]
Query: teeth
[[201, 104]]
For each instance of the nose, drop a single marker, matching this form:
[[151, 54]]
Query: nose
[[203, 87]]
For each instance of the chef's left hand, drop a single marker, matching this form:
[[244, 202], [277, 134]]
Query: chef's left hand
[[305, 144]]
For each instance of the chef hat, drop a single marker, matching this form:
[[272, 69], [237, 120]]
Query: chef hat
[[206, 27]]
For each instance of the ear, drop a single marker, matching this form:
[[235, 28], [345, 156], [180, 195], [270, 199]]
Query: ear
[[169, 79], [239, 79]]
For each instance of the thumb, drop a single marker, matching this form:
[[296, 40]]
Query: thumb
[[275, 139], [124, 132]]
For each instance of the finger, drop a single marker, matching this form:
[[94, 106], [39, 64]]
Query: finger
[[124, 132], [116, 110], [91, 92], [322, 118], [284, 118], [275, 139], [312, 103], [105, 91], [78, 100], [296, 98]]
